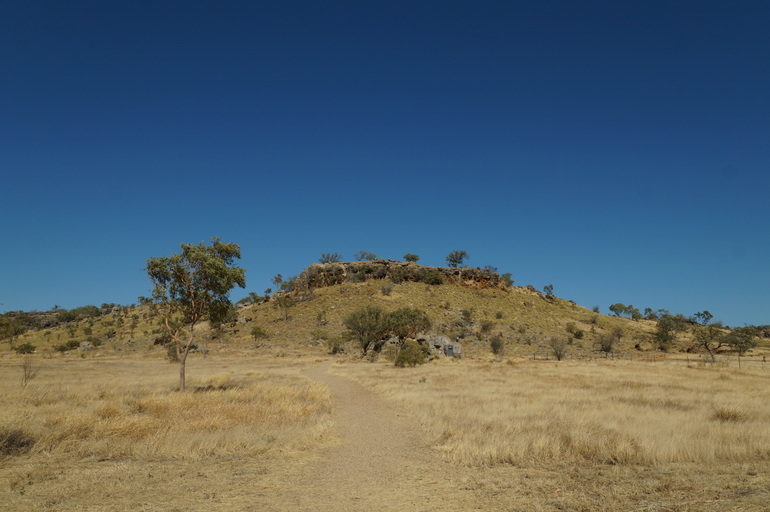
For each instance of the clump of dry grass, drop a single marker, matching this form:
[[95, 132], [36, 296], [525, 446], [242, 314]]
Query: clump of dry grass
[[89, 413], [486, 414]]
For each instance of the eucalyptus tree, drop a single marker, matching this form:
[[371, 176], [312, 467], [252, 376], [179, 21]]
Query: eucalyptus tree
[[191, 287]]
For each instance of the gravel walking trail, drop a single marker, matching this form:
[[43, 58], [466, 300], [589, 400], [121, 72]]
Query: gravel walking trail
[[381, 462]]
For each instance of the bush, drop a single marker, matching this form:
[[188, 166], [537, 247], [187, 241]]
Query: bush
[[25, 348], [411, 354], [14, 441], [433, 278], [397, 276], [497, 345], [386, 289], [558, 348], [258, 333], [487, 325], [336, 345], [66, 347]]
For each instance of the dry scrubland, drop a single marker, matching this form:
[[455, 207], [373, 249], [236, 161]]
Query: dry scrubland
[[582, 436], [111, 434]]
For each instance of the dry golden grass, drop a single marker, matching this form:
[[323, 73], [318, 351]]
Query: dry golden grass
[[86, 429], [524, 413]]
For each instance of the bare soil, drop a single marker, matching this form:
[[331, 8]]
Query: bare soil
[[380, 461]]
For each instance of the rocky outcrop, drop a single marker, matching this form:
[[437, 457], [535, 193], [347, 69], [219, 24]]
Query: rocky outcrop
[[319, 275]]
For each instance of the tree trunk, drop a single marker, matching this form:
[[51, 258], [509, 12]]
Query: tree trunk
[[182, 361], [183, 358]]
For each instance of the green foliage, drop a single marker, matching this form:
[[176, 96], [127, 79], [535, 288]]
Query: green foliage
[[365, 256], [558, 347], [618, 308], [667, 328], [11, 327], [411, 257], [433, 278], [194, 285], [407, 322], [336, 345], [497, 345], [456, 258], [66, 347], [289, 284], [742, 339], [607, 342], [24, 348], [703, 317], [330, 257], [411, 354], [258, 333], [710, 337], [283, 302], [508, 278], [369, 326], [548, 290], [486, 326]]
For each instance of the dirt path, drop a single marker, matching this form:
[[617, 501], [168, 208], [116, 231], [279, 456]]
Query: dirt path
[[381, 462]]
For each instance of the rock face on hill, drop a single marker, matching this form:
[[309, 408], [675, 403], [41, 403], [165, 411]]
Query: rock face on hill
[[319, 275]]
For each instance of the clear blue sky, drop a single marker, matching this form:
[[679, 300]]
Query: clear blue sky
[[617, 150]]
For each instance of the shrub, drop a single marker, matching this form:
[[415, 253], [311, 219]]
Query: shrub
[[411, 354], [497, 345], [487, 325], [14, 441], [94, 341], [336, 345], [258, 333], [558, 348], [25, 348], [433, 278], [397, 276], [499, 315], [411, 257], [66, 347], [386, 289]]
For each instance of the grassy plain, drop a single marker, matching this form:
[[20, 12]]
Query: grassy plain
[[592, 435], [113, 434]]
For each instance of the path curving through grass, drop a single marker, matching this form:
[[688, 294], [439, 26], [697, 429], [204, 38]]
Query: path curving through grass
[[380, 463]]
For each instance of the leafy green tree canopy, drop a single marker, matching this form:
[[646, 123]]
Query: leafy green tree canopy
[[456, 258], [192, 286], [406, 322], [411, 257]]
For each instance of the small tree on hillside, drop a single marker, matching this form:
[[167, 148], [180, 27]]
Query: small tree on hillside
[[193, 286], [607, 342], [711, 337], [548, 289], [456, 258], [284, 302], [667, 328], [407, 322], [330, 257], [365, 256], [411, 257], [369, 325], [742, 339]]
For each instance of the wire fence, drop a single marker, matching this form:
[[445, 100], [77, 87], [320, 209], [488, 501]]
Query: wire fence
[[721, 360]]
